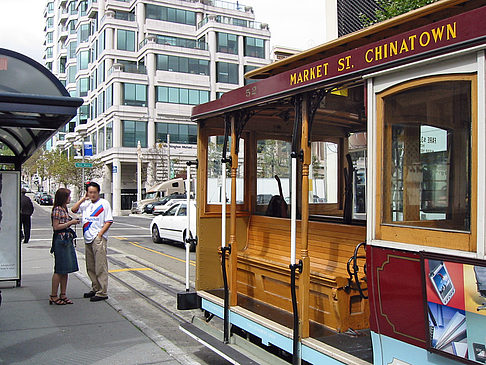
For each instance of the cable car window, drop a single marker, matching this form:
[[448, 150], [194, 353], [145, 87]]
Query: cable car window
[[323, 173], [214, 180], [273, 175], [427, 156]]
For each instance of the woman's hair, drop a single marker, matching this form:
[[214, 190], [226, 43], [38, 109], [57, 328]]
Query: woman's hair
[[62, 195]]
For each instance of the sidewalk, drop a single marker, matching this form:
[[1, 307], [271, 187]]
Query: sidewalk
[[34, 332]]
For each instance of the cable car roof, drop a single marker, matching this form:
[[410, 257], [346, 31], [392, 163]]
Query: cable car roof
[[34, 105]]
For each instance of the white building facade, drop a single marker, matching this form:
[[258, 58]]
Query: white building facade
[[140, 66]]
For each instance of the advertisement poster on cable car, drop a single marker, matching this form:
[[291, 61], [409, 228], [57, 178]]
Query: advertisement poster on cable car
[[9, 225], [456, 309]]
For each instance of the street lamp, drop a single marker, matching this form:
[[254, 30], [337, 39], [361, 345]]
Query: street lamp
[[139, 171]]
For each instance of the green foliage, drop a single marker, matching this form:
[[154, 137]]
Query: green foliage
[[391, 8]]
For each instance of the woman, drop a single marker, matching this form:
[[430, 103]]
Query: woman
[[62, 246]]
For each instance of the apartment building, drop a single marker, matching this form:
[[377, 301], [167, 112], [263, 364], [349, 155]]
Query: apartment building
[[140, 66]]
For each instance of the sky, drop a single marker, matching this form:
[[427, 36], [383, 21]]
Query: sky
[[295, 24]]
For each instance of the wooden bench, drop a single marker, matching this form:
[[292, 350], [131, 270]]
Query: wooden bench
[[263, 269]]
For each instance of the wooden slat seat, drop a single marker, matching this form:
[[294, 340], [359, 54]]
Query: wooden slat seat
[[263, 269]]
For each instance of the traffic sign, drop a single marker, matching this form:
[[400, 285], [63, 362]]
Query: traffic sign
[[83, 164]]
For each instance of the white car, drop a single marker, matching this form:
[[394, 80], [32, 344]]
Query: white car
[[162, 208], [172, 225]]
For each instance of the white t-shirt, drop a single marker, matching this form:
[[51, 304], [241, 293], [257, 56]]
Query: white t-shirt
[[95, 215]]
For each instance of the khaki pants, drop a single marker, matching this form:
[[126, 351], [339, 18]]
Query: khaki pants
[[97, 266]]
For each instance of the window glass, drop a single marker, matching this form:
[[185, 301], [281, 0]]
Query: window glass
[[182, 64], [72, 49], [109, 96], [248, 68], [227, 72], [83, 33], [83, 59], [125, 40], [324, 173], [227, 43], [427, 156], [133, 132], [179, 132], [109, 135], [273, 158], [182, 211], [172, 211], [72, 74], [134, 94], [170, 14], [177, 95], [101, 139], [214, 186], [254, 47], [83, 86]]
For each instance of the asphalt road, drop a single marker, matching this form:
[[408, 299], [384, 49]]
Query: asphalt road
[[144, 280]]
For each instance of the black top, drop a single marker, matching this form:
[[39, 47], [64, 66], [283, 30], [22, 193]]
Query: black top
[[26, 206]]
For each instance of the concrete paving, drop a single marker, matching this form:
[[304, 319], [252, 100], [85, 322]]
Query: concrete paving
[[34, 332]]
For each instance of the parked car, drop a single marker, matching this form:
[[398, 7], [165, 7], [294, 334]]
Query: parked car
[[45, 199], [157, 192], [37, 196], [167, 202], [172, 225]]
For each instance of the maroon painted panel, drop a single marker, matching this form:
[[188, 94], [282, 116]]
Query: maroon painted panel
[[396, 294], [445, 33]]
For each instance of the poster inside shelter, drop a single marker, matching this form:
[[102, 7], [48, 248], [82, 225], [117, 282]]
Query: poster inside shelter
[[9, 225]]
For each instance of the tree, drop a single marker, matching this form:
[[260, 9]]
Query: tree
[[387, 9]]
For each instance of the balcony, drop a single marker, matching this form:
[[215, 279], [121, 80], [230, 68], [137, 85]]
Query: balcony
[[174, 42], [232, 21], [92, 8], [133, 69]]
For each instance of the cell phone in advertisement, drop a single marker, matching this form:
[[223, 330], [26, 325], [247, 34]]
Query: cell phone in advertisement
[[442, 283]]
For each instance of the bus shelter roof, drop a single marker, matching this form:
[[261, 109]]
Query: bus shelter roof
[[34, 105]]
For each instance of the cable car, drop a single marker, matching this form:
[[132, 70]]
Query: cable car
[[341, 200]]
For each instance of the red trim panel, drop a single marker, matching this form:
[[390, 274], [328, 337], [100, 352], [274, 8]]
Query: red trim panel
[[396, 294]]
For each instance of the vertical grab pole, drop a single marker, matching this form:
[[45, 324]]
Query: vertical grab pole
[[188, 227], [296, 357], [224, 247]]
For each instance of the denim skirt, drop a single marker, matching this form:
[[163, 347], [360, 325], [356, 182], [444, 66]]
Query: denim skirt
[[65, 259]]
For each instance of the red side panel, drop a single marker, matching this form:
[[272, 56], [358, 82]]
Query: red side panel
[[396, 294]]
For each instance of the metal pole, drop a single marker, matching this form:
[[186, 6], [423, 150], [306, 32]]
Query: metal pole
[[223, 204], [168, 156], [139, 171], [188, 229], [293, 210]]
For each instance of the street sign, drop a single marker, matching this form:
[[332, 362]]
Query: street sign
[[88, 149], [83, 164]]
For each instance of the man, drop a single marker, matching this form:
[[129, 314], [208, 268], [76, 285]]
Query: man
[[26, 211], [96, 221]]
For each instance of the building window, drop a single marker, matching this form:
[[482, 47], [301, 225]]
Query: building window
[[134, 132], [227, 72], [101, 43], [50, 37], [109, 135], [182, 42], [227, 43], [101, 73], [125, 40], [62, 65], [109, 96], [72, 49], [219, 94], [83, 33], [72, 74], [94, 142], [170, 14], [49, 66], [72, 8], [83, 8], [175, 95], [134, 94], [100, 103], [83, 86], [50, 7], [101, 139], [49, 52], [83, 114], [83, 60], [249, 68], [183, 64], [72, 26], [50, 22], [254, 47], [179, 133]]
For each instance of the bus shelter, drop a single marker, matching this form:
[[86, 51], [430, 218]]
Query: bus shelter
[[34, 105]]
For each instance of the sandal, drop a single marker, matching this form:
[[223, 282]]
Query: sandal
[[65, 299], [57, 301]]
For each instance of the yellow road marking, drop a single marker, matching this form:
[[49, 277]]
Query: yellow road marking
[[131, 269], [160, 253], [120, 238]]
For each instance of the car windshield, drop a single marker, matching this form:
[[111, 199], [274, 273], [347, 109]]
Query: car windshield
[[151, 195]]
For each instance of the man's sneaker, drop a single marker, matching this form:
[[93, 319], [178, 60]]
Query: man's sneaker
[[96, 298], [89, 294]]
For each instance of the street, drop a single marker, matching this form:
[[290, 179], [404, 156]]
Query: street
[[144, 280]]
